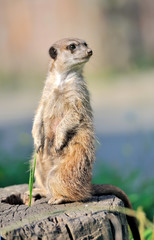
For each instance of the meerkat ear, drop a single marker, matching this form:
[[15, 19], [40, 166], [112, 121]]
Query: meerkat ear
[[53, 53]]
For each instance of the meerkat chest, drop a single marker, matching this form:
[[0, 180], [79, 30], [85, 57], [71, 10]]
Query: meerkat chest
[[58, 103], [56, 107]]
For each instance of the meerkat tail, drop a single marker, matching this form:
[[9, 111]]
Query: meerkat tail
[[106, 189]]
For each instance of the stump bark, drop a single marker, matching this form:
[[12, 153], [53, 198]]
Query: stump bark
[[72, 221]]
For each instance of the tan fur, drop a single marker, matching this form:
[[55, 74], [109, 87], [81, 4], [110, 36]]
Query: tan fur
[[64, 135], [63, 129]]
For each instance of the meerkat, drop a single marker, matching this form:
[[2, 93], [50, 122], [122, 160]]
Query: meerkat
[[63, 131]]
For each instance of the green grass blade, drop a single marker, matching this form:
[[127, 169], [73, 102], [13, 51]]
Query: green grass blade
[[31, 179]]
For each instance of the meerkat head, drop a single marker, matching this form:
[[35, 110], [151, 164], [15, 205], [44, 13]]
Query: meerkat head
[[69, 53]]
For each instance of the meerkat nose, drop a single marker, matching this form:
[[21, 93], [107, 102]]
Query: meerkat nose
[[89, 52]]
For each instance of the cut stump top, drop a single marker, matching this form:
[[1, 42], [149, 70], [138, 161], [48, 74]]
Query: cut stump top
[[94, 219]]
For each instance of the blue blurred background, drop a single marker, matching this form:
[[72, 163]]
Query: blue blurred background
[[120, 77]]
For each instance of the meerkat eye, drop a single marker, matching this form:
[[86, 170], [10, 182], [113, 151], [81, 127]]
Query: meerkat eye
[[71, 47], [85, 44]]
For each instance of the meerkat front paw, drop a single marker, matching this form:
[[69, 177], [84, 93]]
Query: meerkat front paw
[[37, 144], [37, 138], [60, 142], [38, 148]]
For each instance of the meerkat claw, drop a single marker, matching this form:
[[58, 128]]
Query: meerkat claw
[[38, 149]]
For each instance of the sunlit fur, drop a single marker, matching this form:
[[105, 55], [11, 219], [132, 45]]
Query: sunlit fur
[[63, 127]]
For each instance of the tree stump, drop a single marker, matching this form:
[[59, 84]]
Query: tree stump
[[80, 220]]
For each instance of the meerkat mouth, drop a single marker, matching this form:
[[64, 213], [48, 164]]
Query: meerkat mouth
[[83, 59]]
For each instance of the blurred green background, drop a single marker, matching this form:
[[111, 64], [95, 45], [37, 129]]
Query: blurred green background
[[120, 77]]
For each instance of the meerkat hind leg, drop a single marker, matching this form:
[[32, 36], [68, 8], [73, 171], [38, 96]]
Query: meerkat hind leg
[[37, 191], [55, 201]]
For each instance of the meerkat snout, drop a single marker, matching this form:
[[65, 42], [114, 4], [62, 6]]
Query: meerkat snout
[[89, 52]]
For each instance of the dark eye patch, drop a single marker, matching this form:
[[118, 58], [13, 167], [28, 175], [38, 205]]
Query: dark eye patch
[[71, 47]]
